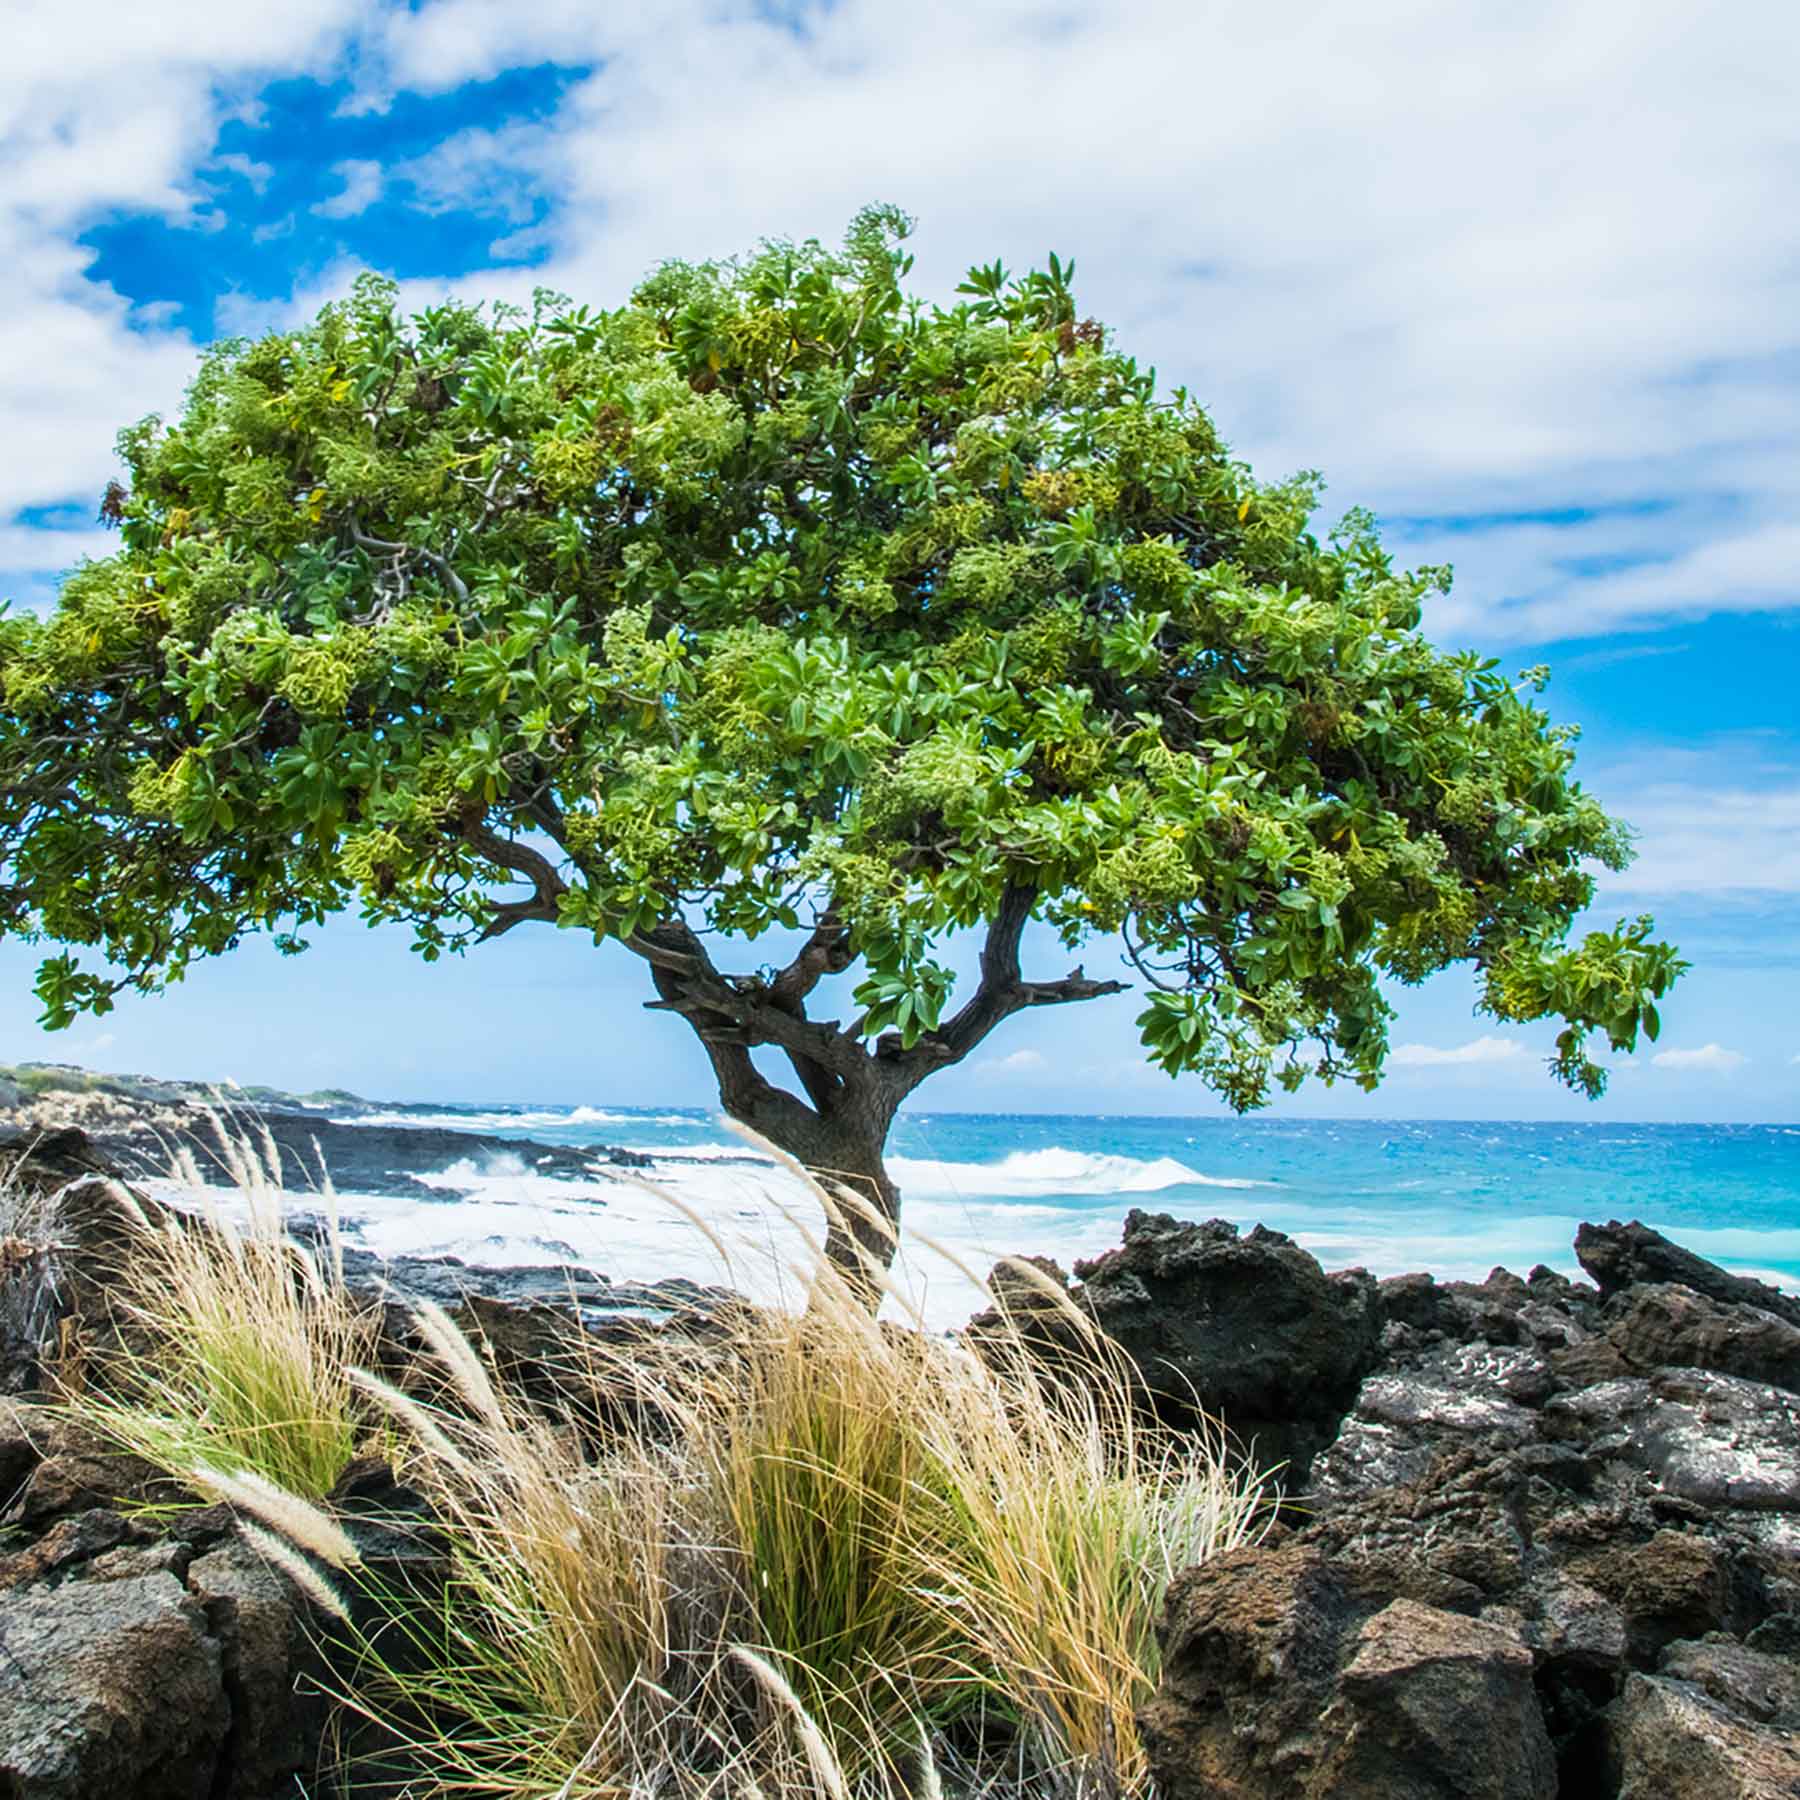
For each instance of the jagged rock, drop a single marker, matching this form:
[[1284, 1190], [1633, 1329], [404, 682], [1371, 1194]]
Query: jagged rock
[[1658, 1325], [136, 1127], [1672, 1738], [42, 1162], [109, 1689], [1251, 1647], [1402, 1422], [1247, 1328], [1545, 1312], [82, 1538], [1282, 1683], [1610, 1484], [262, 1644], [269, 1669], [1759, 1686], [1623, 1256], [1715, 1440], [1432, 1704], [51, 1466]]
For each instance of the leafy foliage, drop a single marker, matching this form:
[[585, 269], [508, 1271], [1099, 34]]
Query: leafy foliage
[[777, 595]]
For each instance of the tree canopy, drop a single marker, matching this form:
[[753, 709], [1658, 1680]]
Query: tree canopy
[[777, 597]]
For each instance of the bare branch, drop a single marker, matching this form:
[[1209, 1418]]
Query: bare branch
[[710, 1000], [1002, 992], [826, 952], [521, 859], [386, 547]]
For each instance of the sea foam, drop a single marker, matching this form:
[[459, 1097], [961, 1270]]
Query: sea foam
[[1037, 1174]]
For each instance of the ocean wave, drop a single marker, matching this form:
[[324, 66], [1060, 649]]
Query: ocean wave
[[556, 1118], [593, 1115], [739, 1150], [1034, 1174]]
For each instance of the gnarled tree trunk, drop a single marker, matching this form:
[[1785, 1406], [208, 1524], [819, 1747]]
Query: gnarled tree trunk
[[851, 1089]]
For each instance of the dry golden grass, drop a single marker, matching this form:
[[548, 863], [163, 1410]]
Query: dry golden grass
[[813, 1554], [237, 1345]]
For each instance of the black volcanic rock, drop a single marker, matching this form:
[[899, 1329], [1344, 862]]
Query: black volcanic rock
[[1246, 1328], [1570, 1518], [1623, 1256]]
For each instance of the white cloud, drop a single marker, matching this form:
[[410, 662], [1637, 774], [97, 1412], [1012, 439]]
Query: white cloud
[[1509, 261], [252, 171], [1478, 1050], [96, 121], [1461, 261], [1709, 1059], [363, 185], [1700, 831], [1019, 1062], [31, 549]]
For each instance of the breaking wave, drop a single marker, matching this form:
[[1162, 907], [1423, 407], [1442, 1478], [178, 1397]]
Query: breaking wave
[[1034, 1174], [556, 1118]]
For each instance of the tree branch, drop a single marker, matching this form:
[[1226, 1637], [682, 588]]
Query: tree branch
[[1002, 992], [826, 952], [688, 983], [386, 547], [521, 859]]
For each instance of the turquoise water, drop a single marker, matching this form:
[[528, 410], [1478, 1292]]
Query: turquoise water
[[1456, 1198]]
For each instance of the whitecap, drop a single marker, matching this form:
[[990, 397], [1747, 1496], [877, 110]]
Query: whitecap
[[521, 1119], [1039, 1173]]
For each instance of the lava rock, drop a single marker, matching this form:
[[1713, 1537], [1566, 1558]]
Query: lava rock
[[1659, 1324], [1623, 1256], [109, 1688], [1672, 1739], [1280, 1683], [269, 1669], [1248, 1329], [1568, 1517]]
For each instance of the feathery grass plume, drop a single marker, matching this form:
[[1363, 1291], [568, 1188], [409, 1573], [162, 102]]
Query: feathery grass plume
[[238, 1348], [303, 1574], [888, 1534], [571, 1648], [824, 1766], [838, 1200], [296, 1518], [410, 1413], [468, 1374], [1071, 1515]]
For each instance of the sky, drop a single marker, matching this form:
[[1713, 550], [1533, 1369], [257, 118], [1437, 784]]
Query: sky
[[1522, 278]]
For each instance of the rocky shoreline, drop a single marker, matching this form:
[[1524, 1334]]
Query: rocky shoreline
[[138, 1122], [1539, 1538]]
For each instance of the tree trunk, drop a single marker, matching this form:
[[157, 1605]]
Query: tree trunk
[[860, 1240], [843, 1149], [839, 1131]]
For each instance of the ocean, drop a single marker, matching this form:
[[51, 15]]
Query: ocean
[[1454, 1198]]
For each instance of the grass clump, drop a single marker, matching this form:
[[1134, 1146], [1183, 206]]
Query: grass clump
[[798, 1552], [234, 1345], [820, 1555]]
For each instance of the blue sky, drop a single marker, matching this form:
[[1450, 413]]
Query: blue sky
[[1524, 279]]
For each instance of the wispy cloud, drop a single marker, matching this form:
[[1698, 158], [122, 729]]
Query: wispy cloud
[[364, 184], [1478, 1050], [1019, 1062], [1483, 353], [245, 168], [1710, 836], [1709, 1059]]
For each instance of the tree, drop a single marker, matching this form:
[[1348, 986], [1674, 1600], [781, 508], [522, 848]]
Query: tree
[[779, 599]]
